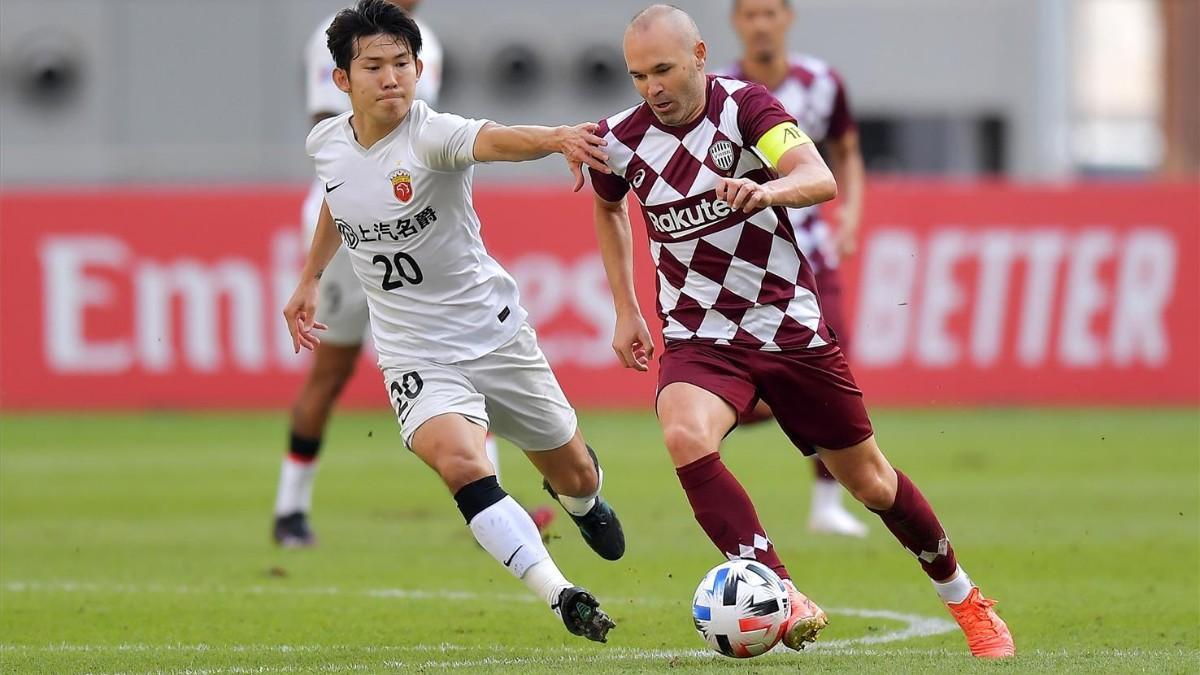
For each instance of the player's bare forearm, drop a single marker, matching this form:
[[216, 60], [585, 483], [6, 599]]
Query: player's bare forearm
[[301, 310], [850, 172], [521, 143], [324, 245], [614, 235], [804, 179], [579, 145], [632, 342]]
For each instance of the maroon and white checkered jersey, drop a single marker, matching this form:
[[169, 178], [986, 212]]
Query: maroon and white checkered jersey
[[814, 94], [724, 277]]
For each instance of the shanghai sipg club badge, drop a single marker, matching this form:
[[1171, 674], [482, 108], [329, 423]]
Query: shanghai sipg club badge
[[401, 185]]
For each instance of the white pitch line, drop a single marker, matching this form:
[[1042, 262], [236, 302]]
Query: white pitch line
[[568, 656], [397, 593], [915, 626]]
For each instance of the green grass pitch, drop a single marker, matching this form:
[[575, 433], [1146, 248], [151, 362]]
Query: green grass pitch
[[140, 543]]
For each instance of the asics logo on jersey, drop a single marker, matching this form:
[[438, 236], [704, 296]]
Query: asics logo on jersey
[[330, 188], [677, 221], [638, 178]]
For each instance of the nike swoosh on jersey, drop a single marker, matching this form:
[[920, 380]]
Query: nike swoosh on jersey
[[508, 563], [330, 188]]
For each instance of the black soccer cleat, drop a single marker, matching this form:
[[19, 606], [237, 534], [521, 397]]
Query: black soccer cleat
[[581, 614], [600, 527], [292, 531]]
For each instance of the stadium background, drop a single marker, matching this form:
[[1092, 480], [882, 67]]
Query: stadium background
[[1021, 243], [1031, 229]]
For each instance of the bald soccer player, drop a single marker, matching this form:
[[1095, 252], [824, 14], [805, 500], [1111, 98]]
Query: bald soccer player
[[714, 163]]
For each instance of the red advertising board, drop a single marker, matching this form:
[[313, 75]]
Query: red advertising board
[[961, 294]]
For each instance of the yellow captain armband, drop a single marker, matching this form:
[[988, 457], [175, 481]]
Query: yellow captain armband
[[781, 138]]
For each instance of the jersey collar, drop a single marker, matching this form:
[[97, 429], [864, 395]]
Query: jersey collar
[[349, 131]]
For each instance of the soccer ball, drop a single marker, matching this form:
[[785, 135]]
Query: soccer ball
[[740, 608]]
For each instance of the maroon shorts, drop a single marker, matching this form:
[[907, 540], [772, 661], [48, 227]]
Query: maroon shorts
[[811, 391], [829, 289]]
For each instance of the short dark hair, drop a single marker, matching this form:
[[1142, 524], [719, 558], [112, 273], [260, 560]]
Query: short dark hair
[[367, 18]]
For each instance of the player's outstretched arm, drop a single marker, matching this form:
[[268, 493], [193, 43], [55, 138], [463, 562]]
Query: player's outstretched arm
[[301, 310], [631, 338], [578, 144], [804, 180]]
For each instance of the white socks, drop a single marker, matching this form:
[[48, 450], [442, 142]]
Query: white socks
[[579, 506], [957, 589], [295, 487], [545, 581], [493, 453], [506, 532], [826, 494]]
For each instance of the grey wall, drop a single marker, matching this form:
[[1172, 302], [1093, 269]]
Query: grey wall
[[211, 90]]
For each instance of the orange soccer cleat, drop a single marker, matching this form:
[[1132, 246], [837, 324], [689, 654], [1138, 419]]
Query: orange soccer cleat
[[805, 621], [987, 634]]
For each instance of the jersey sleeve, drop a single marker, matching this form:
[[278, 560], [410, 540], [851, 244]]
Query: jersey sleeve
[[841, 121], [322, 97], [608, 186], [319, 136], [759, 112], [446, 142]]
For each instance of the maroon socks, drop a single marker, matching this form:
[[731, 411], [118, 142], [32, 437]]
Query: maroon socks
[[726, 514], [822, 471], [913, 523]]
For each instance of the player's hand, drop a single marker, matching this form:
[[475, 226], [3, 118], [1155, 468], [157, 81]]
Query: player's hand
[[580, 145], [300, 313], [632, 342], [744, 194]]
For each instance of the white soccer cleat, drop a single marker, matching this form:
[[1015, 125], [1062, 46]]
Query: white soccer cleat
[[836, 520]]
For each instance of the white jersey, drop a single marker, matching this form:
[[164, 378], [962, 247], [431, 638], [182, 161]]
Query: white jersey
[[403, 208], [323, 96]]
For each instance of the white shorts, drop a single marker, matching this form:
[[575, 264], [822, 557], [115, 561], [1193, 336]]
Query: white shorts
[[342, 303], [511, 390]]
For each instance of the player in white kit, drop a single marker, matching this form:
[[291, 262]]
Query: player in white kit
[[456, 352], [343, 306]]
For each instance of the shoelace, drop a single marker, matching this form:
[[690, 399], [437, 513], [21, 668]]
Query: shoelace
[[981, 613]]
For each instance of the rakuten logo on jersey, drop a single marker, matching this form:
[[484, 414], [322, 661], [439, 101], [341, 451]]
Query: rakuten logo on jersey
[[684, 217]]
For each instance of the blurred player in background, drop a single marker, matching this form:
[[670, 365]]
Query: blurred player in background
[[456, 350], [343, 306], [712, 161], [813, 93]]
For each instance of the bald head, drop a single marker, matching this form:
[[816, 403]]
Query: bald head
[[665, 22], [666, 59]]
